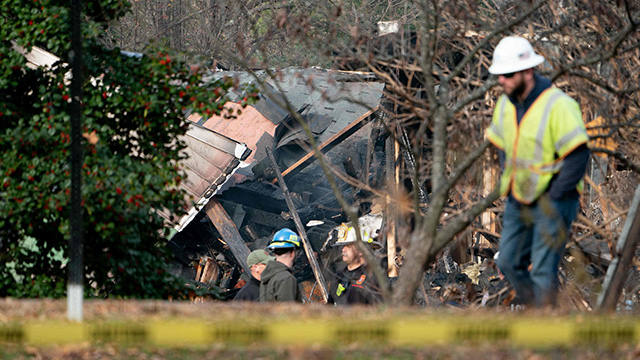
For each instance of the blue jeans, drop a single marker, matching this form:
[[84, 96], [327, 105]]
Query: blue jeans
[[535, 234]]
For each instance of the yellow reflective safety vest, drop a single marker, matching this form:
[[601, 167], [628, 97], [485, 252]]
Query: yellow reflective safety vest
[[550, 130]]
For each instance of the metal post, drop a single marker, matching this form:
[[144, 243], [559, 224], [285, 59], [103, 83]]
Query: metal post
[[75, 279]]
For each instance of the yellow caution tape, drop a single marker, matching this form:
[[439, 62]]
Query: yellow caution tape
[[416, 332], [55, 333]]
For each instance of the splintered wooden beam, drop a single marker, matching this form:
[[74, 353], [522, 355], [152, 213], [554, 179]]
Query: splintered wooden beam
[[210, 271], [303, 234], [625, 250], [327, 145], [228, 231], [199, 270], [393, 172]]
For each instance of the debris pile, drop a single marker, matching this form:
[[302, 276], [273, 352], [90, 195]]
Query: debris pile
[[240, 204]]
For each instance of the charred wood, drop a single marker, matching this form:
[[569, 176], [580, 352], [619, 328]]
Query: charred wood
[[311, 256], [625, 250], [229, 232]]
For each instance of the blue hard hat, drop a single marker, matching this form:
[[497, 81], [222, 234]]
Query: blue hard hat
[[284, 238]]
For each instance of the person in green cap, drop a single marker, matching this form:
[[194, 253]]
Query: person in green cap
[[257, 262]]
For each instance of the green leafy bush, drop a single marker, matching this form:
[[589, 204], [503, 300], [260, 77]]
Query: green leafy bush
[[132, 115]]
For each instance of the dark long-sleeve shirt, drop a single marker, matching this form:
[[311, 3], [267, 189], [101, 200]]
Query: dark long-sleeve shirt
[[250, 291], [357, 286]]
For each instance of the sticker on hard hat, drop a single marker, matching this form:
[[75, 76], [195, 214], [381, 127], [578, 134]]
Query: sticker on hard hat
[[524, 56]]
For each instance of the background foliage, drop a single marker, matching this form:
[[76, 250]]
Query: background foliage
[[132, 115]]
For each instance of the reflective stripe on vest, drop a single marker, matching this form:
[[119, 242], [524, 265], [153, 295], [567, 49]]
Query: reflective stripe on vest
[[534, 177], [527, 173], [498, 128]]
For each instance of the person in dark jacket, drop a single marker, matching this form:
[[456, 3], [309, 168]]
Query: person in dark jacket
[[257, 262], [278, 283], [354, 284]]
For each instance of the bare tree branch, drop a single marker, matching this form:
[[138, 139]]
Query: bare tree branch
[[460, 222], [619, 156], [488, 38]]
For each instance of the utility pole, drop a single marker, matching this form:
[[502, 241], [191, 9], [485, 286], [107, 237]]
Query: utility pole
[[75, 279]]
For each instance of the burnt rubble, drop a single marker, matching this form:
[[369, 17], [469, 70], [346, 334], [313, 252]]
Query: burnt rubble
[[240, 204], [251, 198], [255, 205]]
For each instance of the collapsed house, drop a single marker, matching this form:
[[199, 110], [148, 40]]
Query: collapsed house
[[240, 204]]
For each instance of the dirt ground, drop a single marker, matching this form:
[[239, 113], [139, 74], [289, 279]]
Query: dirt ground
[[140, 311], [218, 352]]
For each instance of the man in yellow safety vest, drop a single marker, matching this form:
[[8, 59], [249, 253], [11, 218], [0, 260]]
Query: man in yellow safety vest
[[543, 153]]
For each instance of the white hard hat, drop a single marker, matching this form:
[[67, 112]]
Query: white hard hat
[[347, 235], [513, 54]]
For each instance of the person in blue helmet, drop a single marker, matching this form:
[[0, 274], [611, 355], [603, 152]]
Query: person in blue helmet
[[278, 283]]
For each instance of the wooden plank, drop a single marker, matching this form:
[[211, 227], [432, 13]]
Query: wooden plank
[[392, 270], [210, 271], [625, 250], [489, 180], [303, 234], [327, 145], [410, 164], [199, 270], [393, 167], [228, 231]]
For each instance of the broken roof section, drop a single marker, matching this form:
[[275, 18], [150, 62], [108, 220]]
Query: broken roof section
[[337, 106], [212, 160], [329, 101], [37, 57]]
